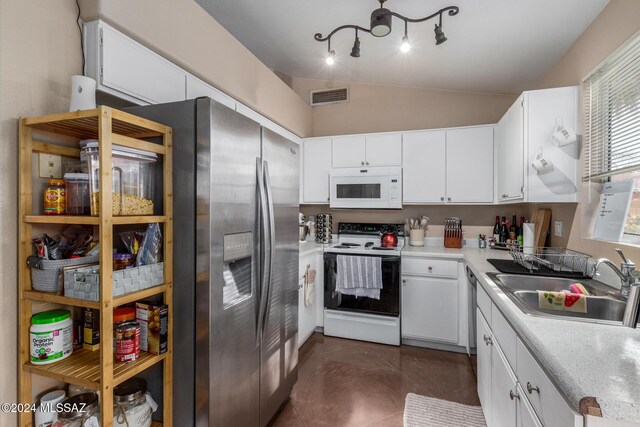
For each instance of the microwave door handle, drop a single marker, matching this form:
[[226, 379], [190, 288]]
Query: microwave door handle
[[272, 242], [264, 236]]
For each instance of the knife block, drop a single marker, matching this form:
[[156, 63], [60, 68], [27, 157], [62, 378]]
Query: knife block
[[453, 242]]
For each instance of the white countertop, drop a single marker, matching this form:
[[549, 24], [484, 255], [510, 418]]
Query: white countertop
[[582, 359]]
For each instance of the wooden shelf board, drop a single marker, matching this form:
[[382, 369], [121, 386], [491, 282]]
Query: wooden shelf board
[[142, 219], [61, 219], [84, 124], [83, 368], [92, 220], [59, 299], [138, 295]]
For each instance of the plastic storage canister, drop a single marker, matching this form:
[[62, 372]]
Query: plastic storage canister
[[130, 405], [77, 193], [46, 413], [122, 261], [51, 336], [81, 410], [54, 197], [133, 175]]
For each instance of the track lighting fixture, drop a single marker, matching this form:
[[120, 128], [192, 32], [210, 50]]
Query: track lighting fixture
[[380, 26]]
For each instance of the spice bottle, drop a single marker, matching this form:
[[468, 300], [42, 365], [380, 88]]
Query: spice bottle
[[54, 197]]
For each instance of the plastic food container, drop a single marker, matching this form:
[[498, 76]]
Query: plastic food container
[[77, 189], [132, 405], [46, 413], [132, 179], [51, 336], [81, 410]]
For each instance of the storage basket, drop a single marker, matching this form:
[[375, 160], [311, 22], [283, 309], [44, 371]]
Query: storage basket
[[84, 283], [46, 275]]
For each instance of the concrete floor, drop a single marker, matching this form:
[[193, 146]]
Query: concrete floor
[[353, 383]]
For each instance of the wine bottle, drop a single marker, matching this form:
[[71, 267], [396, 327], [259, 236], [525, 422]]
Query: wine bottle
[[513, 230], [504, 231], [496, 230]]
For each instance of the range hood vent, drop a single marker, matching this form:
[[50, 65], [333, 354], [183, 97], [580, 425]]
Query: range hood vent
[[329, 96]]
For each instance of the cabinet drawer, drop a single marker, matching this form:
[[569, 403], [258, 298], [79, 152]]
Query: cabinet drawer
[[430, 267], [484, 303], [548, 403], [505, 336]]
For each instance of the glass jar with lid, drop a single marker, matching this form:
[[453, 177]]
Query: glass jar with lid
[[132, 406], [81, 410]]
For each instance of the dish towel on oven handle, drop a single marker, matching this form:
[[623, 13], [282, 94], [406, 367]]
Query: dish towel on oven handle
[[360, 276]]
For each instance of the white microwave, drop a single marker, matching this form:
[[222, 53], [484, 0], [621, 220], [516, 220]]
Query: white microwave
[[366, 188]]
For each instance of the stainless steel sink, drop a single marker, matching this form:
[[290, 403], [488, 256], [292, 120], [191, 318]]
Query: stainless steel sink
[[602, 307]]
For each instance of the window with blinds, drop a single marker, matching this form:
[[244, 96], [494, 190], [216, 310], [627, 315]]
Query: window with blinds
[[612, 106]]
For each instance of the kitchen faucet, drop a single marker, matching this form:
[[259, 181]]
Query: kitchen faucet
[[625, 272], [630, 289]]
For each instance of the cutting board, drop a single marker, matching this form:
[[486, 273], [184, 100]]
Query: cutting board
[[541, 218]]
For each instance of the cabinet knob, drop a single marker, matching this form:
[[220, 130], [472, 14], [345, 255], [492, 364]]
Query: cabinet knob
[[362, 163], [448, 199], [531, 388], [442, 198], [513, 395], [367, 163], [487, 340], [430, 269], [404, 281]]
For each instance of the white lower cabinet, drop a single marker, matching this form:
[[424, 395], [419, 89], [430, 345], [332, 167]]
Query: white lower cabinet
[[434, 308], [430, 309], [514, 390], [307, 312]]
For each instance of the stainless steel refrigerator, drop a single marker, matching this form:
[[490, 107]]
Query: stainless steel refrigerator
[[236, 265]]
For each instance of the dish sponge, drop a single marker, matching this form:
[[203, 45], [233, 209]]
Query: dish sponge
[[578, 288]]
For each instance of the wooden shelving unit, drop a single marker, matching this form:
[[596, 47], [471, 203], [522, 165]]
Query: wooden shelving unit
[[93, 369]]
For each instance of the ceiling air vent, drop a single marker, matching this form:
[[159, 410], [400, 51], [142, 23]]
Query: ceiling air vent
[[329, 96]]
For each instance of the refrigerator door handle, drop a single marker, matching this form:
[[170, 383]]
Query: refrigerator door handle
[[264, 237], [272, 242]]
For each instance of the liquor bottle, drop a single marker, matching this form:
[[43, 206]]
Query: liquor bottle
[[496, 230]]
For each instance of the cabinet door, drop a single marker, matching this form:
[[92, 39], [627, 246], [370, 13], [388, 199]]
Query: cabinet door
[[430, 309], [470, 165], [349, 151], [423, 167], [197, 88], [510, 154], [526, 415], [503, 390], [132, 69], [484, 343], [384, 150], [316, 164]]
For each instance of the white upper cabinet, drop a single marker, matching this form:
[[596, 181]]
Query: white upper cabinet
[[544, 111], [524, 137], [384, 149], [510, 154], [354, 151], [349, 151], [423, 168], [125, 68], [316, 164], [470, 165], [197, 88]]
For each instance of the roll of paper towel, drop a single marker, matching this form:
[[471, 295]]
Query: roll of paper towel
[[528, 238]]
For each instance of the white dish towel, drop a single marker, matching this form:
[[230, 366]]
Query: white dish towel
[[360, 276]]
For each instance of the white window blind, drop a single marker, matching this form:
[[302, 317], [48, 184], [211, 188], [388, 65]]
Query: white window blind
[[612, 107]]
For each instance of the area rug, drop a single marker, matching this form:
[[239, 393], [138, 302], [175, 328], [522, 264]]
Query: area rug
[[422, 411]]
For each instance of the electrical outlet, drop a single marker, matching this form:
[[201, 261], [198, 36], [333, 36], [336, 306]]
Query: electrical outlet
[[50, 166], [557, 228]]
